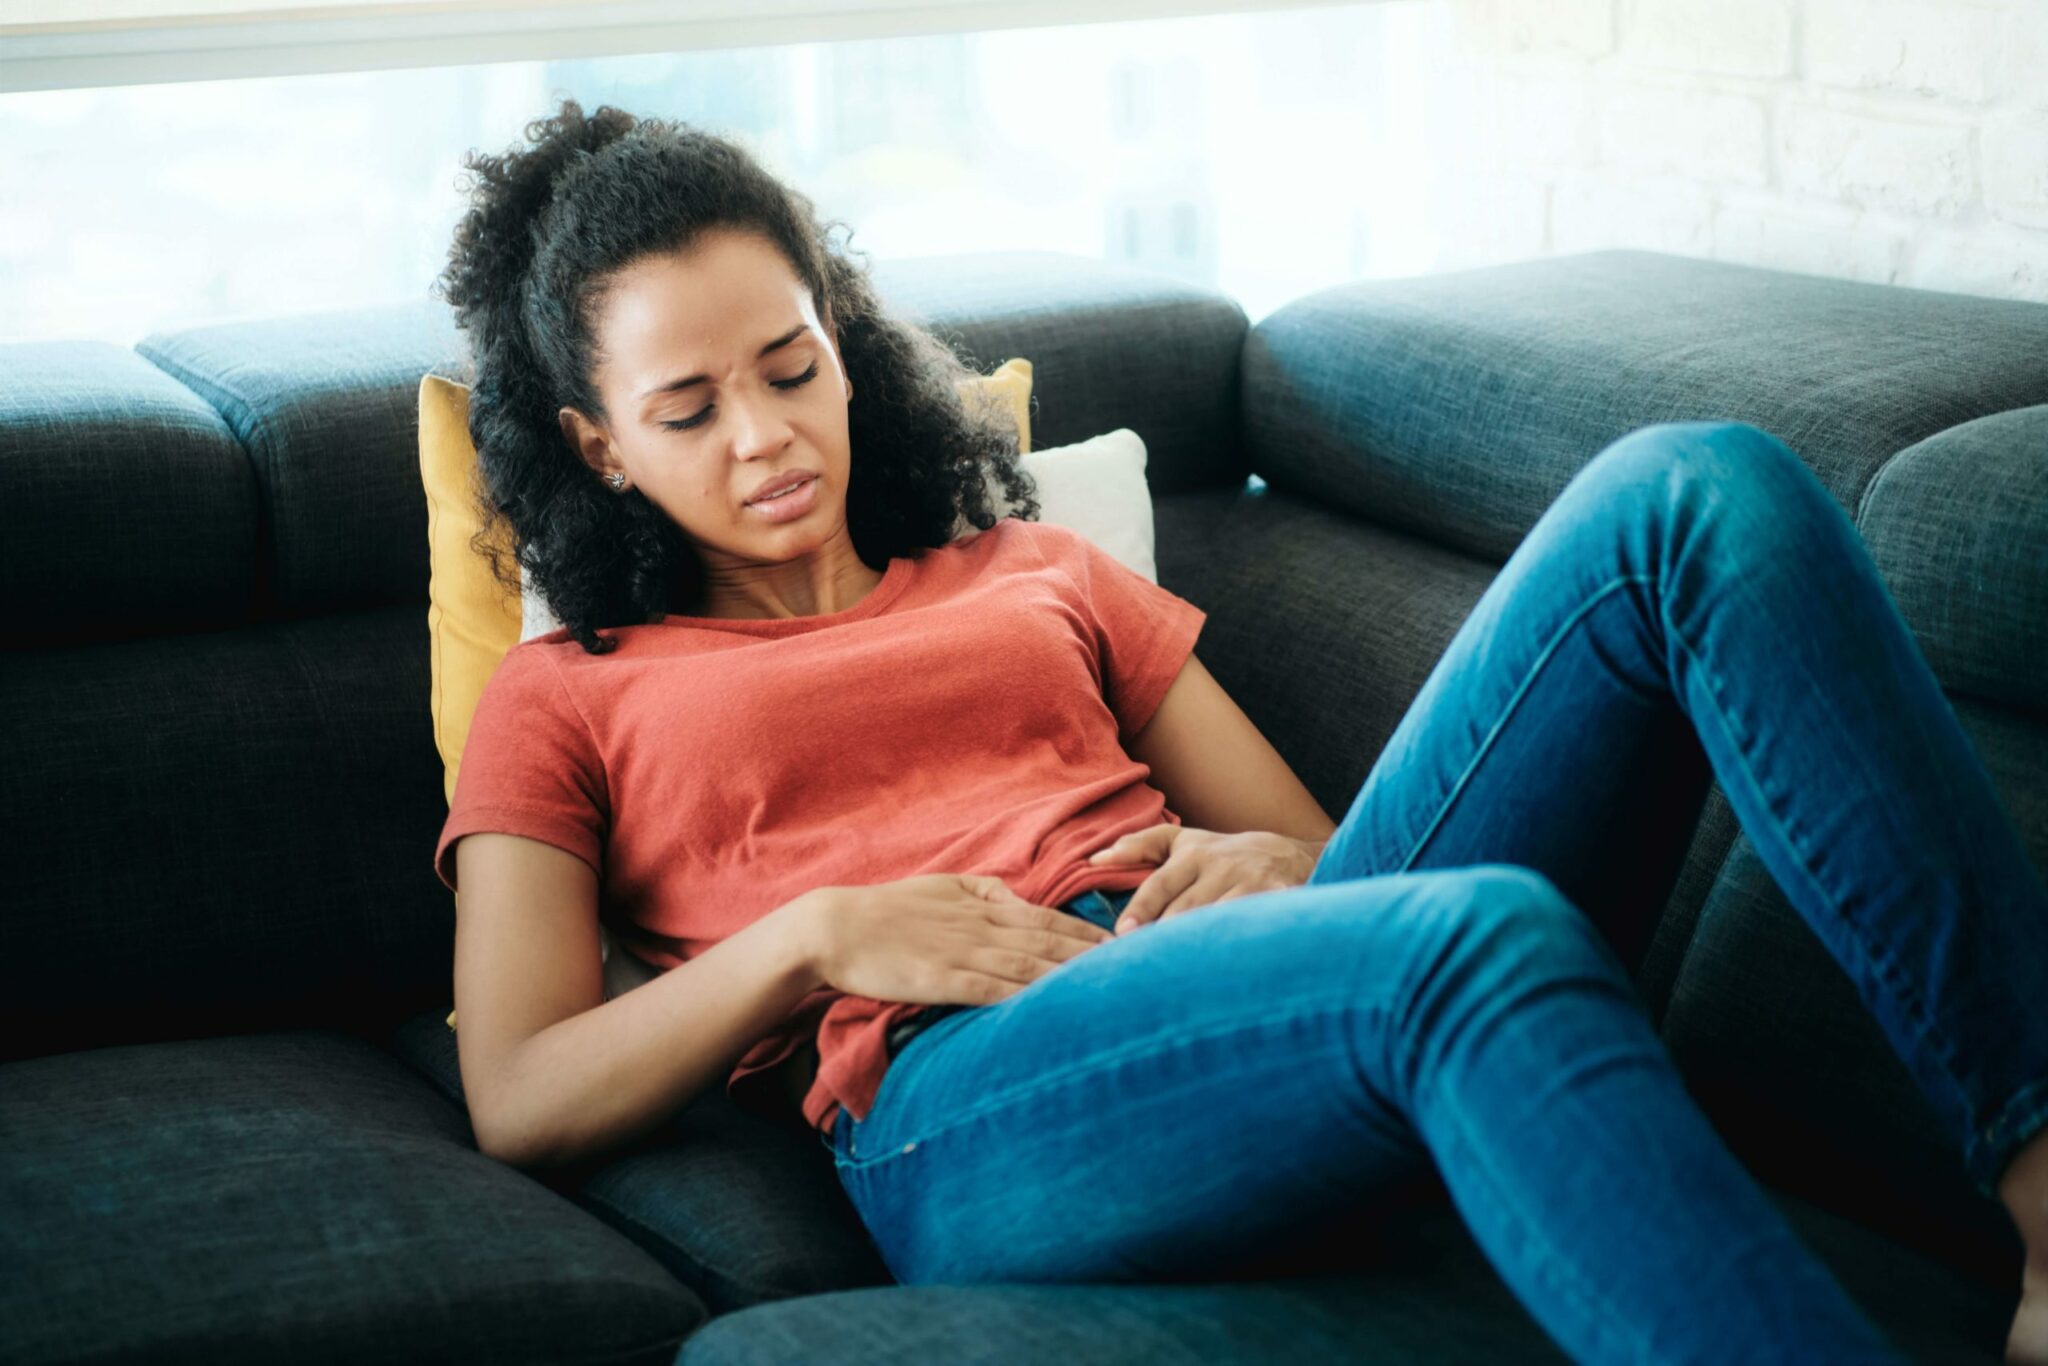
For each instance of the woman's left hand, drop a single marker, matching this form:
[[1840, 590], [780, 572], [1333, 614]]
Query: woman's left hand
[[1200, 867]]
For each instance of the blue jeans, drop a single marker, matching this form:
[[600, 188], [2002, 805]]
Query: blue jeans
[[1452, 986]]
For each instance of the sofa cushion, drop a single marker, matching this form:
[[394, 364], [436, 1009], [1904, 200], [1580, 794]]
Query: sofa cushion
[[1322, 628], [326, 408], [1457, 405], [740, 1209], [1111, 346], [326, 405], [297, 1197], [131, 509], [1422, 1293], [1958, 524], [220, 832]]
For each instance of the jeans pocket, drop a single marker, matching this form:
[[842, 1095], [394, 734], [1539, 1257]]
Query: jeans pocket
[[851, 1150]]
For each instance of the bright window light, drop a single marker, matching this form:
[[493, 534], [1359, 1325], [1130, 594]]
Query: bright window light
[[1263, 154]]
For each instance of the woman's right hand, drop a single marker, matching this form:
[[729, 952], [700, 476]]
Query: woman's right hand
[[939, 939]]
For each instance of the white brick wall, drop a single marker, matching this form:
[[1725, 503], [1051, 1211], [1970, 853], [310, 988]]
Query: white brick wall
[[1730, 37], [1668, 128], [1912, 163], [1910, 45], [1898, 141]]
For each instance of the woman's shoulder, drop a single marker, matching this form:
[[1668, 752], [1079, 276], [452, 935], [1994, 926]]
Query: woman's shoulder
[[1015, 535], [532, 669], [996, 554]]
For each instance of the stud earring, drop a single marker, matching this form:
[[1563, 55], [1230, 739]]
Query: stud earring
[[617, 481]]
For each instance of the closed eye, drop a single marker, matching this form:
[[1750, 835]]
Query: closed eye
[[699, 419]]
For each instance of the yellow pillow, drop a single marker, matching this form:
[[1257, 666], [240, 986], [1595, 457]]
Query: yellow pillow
[[1008, 384], [472, 621]]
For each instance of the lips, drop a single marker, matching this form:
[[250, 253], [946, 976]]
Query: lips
[[780, 483]]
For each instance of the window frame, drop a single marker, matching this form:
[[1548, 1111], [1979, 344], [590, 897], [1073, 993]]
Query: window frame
[[76, 44]]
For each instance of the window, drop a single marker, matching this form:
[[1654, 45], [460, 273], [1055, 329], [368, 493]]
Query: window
[[1262, 154]]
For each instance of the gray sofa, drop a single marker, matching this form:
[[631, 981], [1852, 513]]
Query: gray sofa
[[231, 1121]]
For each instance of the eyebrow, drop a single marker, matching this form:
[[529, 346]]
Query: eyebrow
[[669, 386]]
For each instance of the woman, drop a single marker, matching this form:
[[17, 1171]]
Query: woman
[[778, 728]]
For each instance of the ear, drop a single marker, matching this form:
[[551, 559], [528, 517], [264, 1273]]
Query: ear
[[586, 439]]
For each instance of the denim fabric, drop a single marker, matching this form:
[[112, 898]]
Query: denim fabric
[[1098, 907], [1778, 1048], [1770, 1033], [1449, 986]]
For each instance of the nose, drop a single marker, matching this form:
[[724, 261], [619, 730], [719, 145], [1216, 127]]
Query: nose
[[758, 427]]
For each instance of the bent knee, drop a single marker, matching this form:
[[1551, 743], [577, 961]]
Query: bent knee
[[1514, 886], [1684, 470], [1517, 913], [1725, 454]]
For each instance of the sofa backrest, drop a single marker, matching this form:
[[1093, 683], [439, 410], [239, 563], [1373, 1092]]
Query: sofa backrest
[[1411, 431], [222, 791]]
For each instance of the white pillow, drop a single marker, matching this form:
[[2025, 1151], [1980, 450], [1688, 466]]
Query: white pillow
[[534, 617], [1096, 487]]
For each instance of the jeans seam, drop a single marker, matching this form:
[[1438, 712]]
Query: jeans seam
[[1590, 1309], [2026, 1110], [1879, 963], [1045, 1081], [1507, 711], [1876, 962]]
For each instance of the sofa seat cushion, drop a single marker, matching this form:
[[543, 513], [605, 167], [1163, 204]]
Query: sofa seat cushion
[[293, 1196], [1426, 1294], [739, 1208]]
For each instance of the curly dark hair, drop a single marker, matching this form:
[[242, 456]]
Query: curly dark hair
[[548, 225]]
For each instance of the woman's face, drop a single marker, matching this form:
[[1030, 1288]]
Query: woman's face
[[721, 379]]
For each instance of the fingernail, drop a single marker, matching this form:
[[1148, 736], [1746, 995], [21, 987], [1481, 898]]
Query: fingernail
[[1126, 924], [1096, 857]]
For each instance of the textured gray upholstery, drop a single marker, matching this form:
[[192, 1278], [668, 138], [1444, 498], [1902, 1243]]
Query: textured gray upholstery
[[231, 1119]]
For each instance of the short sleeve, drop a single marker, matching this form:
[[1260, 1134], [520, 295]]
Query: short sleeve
[[531, 767], [1143, 633]]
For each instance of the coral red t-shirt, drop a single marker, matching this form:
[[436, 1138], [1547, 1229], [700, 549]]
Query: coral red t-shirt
[[966, 716]]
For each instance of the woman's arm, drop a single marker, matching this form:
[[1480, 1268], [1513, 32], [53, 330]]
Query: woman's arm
[[1217, 771], [552, 1071]]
